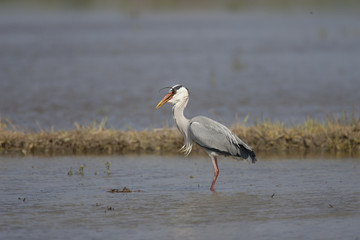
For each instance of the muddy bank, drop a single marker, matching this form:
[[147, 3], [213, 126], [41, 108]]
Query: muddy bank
[[310, 137]]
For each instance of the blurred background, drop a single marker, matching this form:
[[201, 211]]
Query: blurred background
[[84, 60]]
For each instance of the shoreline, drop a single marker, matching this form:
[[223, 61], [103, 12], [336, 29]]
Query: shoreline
[[266, 138]]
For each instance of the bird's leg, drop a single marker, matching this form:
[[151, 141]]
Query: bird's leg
[[216, 171]]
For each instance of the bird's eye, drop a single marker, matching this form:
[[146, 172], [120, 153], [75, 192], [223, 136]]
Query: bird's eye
[[173, 91]]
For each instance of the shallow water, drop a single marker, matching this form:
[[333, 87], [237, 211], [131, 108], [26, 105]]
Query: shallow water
[[272, 199], [87, 66]]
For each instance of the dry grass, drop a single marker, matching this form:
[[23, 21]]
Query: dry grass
[[331, 136]]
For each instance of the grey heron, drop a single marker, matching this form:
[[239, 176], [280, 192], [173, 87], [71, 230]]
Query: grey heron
[[215, 138]]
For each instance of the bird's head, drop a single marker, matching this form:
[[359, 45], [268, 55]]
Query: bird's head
[[176, 94]]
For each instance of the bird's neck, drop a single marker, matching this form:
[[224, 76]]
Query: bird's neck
[[183, 125], [180, 120]]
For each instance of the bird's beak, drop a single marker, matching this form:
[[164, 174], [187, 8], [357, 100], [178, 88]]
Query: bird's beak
[[164, 100]]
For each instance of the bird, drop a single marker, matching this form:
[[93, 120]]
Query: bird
[[212, 136]]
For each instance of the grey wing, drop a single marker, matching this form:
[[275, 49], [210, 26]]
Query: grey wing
[[215, 137]]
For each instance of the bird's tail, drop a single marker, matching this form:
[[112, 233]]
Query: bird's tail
[[246, 152], [253, 157]]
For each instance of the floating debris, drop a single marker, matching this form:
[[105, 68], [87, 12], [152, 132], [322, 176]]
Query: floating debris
[[330, 206], [272, 196], [124, 190]]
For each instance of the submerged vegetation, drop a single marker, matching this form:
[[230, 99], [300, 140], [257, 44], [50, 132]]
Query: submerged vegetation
[[332, 136]]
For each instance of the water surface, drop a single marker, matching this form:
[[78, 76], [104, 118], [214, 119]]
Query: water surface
[[61, 68], [272, 199]]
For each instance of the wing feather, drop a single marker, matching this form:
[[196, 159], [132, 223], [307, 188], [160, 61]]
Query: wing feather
[[216, 137]]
